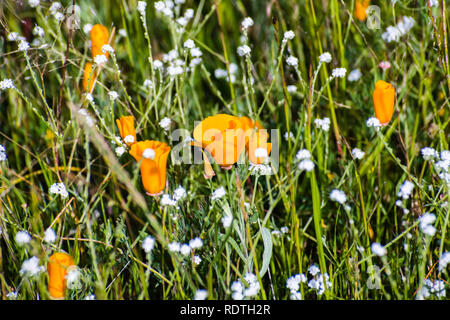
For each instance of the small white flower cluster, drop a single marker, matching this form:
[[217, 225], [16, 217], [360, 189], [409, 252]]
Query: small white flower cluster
[[373, 122], [6, 84], [444, 260], [393, 33], [223, 74], [3, 156], [240, 291], [59, 188], [54, 10], [195, 52], [165, 8], [87, 28], [435, 288], [201, 294], [429, 153], [288, 35], [260, 169], [244, 50], [292, 61], [184, 20], [323, 124], [23, 45], [291, 88], [338, 196], [318, 283], [325, 57], [73, 277], [22, 238], [226, 221], [148, 83], [165, 123], [289, 135], [33, 3], [247, 23], [178, 194], [176, 65], [338, 73], [426, 224], [358, 153], [186, 248], [87, 117], [354, 75], [31, 267], [442, 165], [405, 190], [148, 244], [305, 164], [100, 59], [378, 249], [38, 31], [50, 235], [106, 48], [293, 284], [113, 95], [120, 146], [141, 6], [218, 193]]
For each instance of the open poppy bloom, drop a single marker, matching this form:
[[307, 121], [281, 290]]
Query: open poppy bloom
[[384, 101], [99, 37], [127, 130], [360, 9], [154, 164], [88, 77], [223, 137], [59, 264]]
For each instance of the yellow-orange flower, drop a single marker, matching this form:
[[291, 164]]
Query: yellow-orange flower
[[154, 164], [360, 9], [127, 130], [88, 77], [258, 147], [59, 264], [223, 137], [99, 37], [384, 101]]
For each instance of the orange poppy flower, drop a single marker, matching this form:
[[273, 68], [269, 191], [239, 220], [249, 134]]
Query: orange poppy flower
[[384, 101], [258, 147], [99, 37], [360, 9], [88, 77], [59, 264], [223, 137], [154, 164], [127, 130]]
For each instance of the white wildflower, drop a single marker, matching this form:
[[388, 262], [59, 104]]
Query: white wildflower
[[166, 200], [165, 124], [373, 122], [226, 221], [50, 235], [338, 72], [149, 153], [292, 61], [303, 154], [189, 44], [323, 124], [196, 243], [429, 153], [354, 75], [201, 294], [174, 246], [313, 270], [31, 267], [22, 237], [113, 95], [100, 59], [444, 260], [6, 84], [306, 165], [378, 249], [358, 153], [325, 57], [3, 156], [148, 244], [23, 45], [288, 35], [338, 196], [196, 260], [141, 6], [405, 189], [87, 28], [244, 50], [107, 48], [179, 193], [291, 88], [129, 139], [185, 249], [218, 193], [426, 224], [38, 31], [59, 189], [33, 3], [247, 23], [196, 52]]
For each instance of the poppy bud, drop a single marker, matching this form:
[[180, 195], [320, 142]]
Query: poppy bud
[[58, 266], [99, 37], [384, 101], [127, 130]]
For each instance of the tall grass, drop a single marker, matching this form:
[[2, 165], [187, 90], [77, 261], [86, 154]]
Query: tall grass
[[283, 223]]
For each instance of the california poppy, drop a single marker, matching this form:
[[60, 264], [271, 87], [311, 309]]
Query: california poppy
[[384, 101], [59, 264], [258, 147], [127, 130], [88, 77], [154, 164], [361, 8], [223, 137], [99, 37]]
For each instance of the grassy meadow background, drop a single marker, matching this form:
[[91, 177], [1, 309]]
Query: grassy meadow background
[[284, 224]]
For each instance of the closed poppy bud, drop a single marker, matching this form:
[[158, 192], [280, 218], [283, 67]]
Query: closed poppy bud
[[154, 164], [59, 264], [223, 137], [127, 130], [99, 37], [360, 9], [384, 101], [88, 77]]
